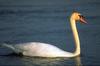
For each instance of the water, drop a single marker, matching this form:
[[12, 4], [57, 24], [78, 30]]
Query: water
[[47, 21]]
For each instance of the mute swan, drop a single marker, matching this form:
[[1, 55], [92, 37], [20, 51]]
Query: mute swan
[[48, 50]]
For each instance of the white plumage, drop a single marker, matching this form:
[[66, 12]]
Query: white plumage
[[38, 49]]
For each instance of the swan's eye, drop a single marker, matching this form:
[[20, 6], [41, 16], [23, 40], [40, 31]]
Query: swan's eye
[[81, 16]]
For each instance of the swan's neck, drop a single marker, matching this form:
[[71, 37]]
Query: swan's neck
[[76, 37]]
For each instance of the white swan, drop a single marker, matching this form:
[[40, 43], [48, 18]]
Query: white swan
[[48, 50]]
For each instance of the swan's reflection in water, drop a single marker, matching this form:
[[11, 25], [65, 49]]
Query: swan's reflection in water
[[78, 61], [30, 61]]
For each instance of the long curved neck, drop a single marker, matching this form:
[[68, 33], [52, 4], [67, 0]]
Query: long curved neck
[[76, 37]]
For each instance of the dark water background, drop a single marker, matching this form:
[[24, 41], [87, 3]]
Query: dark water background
[[47, 21]]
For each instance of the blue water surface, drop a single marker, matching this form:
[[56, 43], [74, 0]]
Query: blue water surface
[[47, 21]]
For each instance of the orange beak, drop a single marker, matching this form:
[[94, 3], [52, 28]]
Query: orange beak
[[82, 19]]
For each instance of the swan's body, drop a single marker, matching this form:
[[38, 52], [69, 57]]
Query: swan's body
[[38, 49], [48, 50]]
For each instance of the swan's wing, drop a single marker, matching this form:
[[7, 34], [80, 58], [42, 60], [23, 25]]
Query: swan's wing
[[40, 49]]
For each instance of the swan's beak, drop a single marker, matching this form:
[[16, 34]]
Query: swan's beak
[[82, 19]]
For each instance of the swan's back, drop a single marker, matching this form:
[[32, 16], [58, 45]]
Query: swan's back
[[39, 49]]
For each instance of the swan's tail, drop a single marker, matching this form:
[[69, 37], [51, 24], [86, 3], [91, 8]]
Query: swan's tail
[[7, 45]]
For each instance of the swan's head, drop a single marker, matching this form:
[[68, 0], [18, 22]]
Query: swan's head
[[78, 17]]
